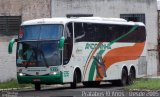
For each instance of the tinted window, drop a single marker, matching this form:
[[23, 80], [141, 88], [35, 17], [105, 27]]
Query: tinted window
[[80, 33], [34, 32], [137, 35], [126, 33], [87, 32], [38, 54]]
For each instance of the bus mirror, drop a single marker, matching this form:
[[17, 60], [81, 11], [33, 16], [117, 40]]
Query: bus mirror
[[61, 42], [10, 46]]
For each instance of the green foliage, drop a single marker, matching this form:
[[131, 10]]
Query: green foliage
[[149, 84], [13, 84]]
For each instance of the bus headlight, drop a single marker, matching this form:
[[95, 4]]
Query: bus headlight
[[21, 74], [53, 73]]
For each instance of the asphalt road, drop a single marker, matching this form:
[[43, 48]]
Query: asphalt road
[[64, 91], [104, 90]]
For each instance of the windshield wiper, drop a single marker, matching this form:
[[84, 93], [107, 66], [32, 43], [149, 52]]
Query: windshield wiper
[[45, 61]]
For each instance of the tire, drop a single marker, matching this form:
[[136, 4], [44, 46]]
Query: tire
[[91, 84], [37, 86], [124, 78], [131, 77], [74, 83], [123, 81]]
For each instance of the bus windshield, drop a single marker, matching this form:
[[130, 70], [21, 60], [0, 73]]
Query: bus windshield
[[38, 54], [41, 32]]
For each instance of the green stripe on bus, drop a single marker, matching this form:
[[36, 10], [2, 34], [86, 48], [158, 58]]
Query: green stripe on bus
[[90, 58], [93, 67], [87, 61], [92, 70], [117, 39]]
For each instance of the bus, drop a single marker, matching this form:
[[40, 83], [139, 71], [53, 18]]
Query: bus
[[85, 50]]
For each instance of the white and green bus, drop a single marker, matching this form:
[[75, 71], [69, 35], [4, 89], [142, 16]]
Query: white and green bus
[[84, 49]]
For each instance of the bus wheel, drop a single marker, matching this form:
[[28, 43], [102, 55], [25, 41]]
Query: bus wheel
[[37, 86], [91, 84], [132, 76], [74, 83], [124, 78]]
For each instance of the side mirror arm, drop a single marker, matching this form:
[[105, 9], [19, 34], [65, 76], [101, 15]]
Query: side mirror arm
[[10, 46]]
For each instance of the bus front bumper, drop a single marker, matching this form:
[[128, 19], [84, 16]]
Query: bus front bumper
[[42, 79]]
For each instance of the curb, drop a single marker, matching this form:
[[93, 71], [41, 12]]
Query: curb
[[14, 89]]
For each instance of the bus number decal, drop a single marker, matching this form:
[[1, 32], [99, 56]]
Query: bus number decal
[[54, 68], [66, 73]]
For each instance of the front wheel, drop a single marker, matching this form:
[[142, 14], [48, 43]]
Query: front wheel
[[37, 86], [74, 83]]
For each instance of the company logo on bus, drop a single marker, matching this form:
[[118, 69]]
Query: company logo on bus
[[21, 33]]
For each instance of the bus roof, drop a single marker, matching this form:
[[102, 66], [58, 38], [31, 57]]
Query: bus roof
[[64, 20]]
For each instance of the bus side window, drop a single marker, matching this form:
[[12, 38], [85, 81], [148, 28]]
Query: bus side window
[[80, 33], [110, 33], [68, 45]]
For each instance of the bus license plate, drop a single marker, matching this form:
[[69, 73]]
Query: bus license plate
[[36, 80]]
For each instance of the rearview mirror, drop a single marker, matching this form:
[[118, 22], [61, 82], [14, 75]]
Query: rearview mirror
[[10, 46], [61, 42]]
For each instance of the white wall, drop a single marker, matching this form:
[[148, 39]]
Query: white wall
[[7, 62], [28, 9], [113, 8]]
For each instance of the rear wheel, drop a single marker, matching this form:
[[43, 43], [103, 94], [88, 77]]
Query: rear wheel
[[37, 86], [91, 84], [74, 83], [124, 77], [132, 76], [123, 80]]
